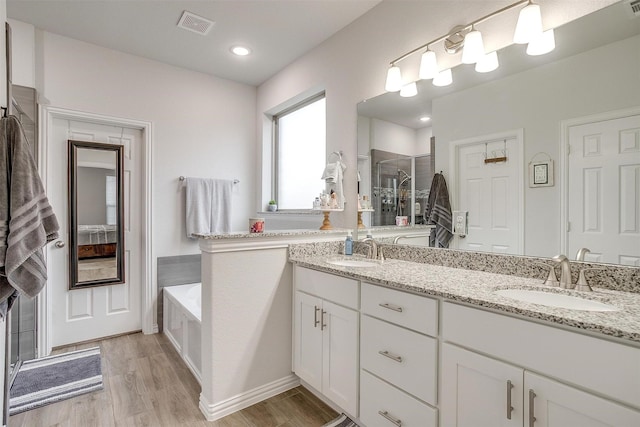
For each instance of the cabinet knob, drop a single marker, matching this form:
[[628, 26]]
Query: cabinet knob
[[59, 244]]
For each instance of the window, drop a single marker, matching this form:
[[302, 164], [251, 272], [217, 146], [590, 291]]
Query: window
[[300, 152]]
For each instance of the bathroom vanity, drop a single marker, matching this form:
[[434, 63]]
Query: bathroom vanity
[[413, 344]]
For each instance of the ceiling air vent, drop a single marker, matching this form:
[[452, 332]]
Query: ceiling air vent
[[633, 7], [197, 24]]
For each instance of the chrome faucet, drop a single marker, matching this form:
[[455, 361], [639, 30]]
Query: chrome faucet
[[565, 275], [581, 253], [374, 253]]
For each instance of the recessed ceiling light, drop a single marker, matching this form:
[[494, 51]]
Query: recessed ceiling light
[[425, 119], [240, 50]]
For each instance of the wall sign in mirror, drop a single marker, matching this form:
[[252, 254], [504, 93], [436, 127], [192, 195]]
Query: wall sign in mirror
[[96, 214], [541, 171]]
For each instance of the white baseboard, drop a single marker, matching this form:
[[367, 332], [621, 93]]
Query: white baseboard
[[215, 411]]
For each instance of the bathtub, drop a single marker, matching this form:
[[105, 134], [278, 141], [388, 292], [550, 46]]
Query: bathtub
[[182, 309]]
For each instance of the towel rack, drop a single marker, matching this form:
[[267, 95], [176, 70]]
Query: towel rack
[[182, 178]]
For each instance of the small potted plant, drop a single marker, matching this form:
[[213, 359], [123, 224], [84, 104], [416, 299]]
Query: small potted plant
[[273, 206]]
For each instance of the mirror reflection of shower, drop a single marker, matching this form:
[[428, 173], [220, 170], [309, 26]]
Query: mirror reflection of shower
[[400, 186]]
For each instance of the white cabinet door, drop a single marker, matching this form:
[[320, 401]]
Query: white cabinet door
[[477, 391], [557, 405], [340, 356], [308, 339]]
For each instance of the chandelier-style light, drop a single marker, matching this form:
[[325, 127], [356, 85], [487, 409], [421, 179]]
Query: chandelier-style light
[[528, 30]]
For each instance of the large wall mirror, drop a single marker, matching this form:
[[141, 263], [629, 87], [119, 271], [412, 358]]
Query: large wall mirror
[[533, 108], [96, 229]]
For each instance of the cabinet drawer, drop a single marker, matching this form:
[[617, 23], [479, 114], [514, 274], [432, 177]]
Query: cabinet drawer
[[404, 309], [378, 397], [410, 361], [338, 289]]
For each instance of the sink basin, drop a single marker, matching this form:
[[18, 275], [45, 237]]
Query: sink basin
[[355, 262], [552, 299]]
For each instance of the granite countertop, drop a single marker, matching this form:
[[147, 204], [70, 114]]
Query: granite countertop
[[274, 233], [477, 288]]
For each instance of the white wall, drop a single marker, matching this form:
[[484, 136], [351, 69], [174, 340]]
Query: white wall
[[394, 138], [23, 53], [538, 100], [202, 126], [351, 66]]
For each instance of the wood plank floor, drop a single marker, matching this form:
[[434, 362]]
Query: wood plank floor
[[147, 384]]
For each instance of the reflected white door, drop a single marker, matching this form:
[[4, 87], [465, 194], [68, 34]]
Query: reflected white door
[[86, 314], [604, 190], [490, 193]]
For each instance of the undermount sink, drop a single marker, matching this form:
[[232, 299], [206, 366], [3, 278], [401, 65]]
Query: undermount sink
[[353, 262], [552, 299]]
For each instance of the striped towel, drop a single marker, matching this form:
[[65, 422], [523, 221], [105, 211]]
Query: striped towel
[[438, 212], [27, 221]]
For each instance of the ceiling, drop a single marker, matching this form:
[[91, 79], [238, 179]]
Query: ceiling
[[277, 31]]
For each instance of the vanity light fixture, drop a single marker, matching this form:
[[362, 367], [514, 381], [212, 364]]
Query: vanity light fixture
[[467, 38], [240, 50], [444, 78], [487, 63], [544, 43], [529, 24], [473, 49], [428, 65], [409, 90], [394, 79]]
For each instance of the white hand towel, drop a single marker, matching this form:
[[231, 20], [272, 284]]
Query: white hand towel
[[208, 206]]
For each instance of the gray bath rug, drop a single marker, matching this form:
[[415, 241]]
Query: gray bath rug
[[341, 421], [55, 378]]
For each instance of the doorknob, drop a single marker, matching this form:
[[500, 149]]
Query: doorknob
[[59, 244]]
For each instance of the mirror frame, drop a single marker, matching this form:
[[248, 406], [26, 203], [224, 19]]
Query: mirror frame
[[73, 147]]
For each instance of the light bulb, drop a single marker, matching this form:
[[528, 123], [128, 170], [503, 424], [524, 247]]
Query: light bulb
[[487, 63], [444, 78], [428, 65], [529, 24], [394, 79], [409, 90], [473, 48], [542, 44]]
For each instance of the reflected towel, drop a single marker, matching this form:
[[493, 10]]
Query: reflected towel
[[438, 212], [27, 221], [208, 206], [333, 175]]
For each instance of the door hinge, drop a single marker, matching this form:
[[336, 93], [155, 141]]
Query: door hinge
[[568, 149], [568, 227]]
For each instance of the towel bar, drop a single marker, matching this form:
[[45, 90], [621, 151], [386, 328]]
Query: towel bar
[[182, 178]]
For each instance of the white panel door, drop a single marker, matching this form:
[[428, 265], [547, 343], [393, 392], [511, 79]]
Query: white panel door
[[490, 193], [478, 391], [553, 404], [340, 356], [87, 314], [604, 190], [307, 339]]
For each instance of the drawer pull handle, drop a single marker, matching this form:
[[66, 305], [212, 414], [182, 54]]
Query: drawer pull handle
[[391, 307], [532, 397], [322, 324], [393, 357], [316, 322], [386, 415], [509, 406]]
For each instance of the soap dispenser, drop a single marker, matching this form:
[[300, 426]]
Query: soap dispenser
[[348, 244]]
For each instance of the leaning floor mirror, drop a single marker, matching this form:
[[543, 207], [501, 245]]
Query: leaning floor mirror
[[96, 237]]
